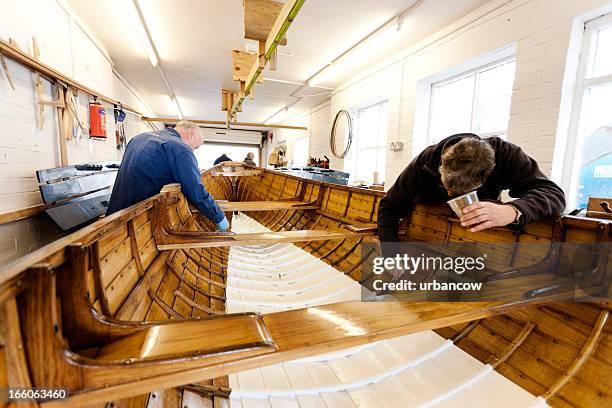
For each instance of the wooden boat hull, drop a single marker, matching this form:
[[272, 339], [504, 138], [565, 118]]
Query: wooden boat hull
[[133, 303]]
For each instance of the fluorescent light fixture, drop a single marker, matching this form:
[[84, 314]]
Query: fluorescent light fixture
[[139, 26], [356, 55], [177, 108], [282, 112]]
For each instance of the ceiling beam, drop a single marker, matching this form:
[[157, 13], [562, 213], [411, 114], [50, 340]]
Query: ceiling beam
[[259, 17], [222, 122], [279, 29]]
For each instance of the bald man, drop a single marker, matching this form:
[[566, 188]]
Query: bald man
[[154, 159]]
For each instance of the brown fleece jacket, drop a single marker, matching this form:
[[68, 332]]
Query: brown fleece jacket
[[420, 182]]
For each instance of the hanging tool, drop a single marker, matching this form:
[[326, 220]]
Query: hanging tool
[[119, 115]]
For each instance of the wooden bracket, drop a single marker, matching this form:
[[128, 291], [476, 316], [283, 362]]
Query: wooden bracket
[[274, 35], [241, 65], [273, 60], [6, 71], [228, 96]]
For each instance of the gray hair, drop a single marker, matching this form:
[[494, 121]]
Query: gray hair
[[466, 165], [187, 125]]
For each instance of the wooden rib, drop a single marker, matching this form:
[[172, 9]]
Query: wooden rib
[[135, 249], [582, 357], [201, 265], [171, 312], [347, 253], [209, 390], [192, 286], [516, 343], [328, 253], [204, 278], [213, 262], [191, 303], [465, 331], [17, 367], [101, 293]]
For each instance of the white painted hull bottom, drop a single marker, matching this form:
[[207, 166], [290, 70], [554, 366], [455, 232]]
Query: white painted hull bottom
[[418, 370]]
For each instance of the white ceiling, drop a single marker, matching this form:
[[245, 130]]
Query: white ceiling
[[194, 39]]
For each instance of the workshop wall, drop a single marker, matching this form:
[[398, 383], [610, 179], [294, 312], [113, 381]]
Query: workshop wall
[[543, 86], [66, 45]]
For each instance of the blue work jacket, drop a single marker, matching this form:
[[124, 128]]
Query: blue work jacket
[[154, 159]]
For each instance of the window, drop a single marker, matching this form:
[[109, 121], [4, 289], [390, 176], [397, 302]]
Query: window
[[476, 101], [590, 155], [299, 151], [370, 143]]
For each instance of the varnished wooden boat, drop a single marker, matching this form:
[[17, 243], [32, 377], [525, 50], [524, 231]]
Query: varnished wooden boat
[[131, 310]]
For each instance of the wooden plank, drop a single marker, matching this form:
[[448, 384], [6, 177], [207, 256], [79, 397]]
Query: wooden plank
[[120, 288], [30, 62], [134, 308], [237, 173], [114, 261], [262, 205], [171, 397], [259, 18], [241, 64], [222, 122], [233, 332], [16, 215], [16, 365], [148, 254], [263, 238], [112, 239]]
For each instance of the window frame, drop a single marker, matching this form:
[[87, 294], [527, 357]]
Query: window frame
[[355, 112], [570, 172], [476, 72]]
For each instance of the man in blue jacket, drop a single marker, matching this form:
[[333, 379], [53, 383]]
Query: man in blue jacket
[[154, 159]]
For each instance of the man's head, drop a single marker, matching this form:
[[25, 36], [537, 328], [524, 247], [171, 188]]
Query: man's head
[[190, 133], [250, 155], [466, 165]]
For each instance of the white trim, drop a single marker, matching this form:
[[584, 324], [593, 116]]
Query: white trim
[[425, 90], [570, 164]]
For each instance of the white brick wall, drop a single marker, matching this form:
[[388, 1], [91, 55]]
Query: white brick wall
[[65, 46], [541, 30]]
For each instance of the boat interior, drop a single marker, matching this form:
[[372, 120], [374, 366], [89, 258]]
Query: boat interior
[[152, 307]]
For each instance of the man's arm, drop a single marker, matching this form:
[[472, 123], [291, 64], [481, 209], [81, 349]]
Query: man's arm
[[538, 197], [185, 170], [398, 202]]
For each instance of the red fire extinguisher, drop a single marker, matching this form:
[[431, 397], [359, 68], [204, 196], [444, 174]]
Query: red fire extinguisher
[[97, 120]]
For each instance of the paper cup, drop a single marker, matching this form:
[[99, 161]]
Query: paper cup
[[459, 203]]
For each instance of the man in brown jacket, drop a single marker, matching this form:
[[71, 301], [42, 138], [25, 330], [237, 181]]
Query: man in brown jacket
[[462, 163]]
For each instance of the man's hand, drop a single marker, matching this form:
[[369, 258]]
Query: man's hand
[[223, 225], [485, 214]]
